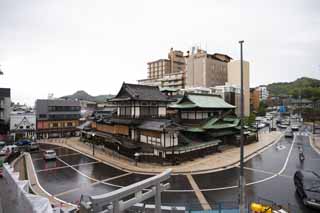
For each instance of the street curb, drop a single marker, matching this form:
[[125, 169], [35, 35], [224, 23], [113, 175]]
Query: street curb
[[246, 158], [57, 202], [204, 171], [311, 141]]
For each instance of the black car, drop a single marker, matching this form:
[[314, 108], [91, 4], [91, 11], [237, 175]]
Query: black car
[[308, 187]]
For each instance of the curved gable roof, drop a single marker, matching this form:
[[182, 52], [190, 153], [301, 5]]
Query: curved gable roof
[[139, 92], [202, 101]]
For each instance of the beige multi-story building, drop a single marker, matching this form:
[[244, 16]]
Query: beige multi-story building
[[206, 70], [234, 78], [167, 72]]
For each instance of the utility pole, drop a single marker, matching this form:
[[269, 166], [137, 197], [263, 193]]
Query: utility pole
[[241, 178], [314, 118]]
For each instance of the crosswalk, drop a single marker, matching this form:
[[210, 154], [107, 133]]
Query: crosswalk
[[301, 133]]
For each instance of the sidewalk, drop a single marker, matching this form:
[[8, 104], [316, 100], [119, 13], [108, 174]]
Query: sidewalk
[[315, 142], [214, 162]]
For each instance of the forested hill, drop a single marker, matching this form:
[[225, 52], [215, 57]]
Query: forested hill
[[307, 87]]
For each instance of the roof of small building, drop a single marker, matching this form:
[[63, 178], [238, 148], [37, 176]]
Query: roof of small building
[[195, 100], [140, 92], [168, 89], [57, 102], [216, 124], [157, 125]]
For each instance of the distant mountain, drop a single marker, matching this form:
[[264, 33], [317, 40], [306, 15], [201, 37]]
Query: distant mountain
[[83, 95], [307, 87]]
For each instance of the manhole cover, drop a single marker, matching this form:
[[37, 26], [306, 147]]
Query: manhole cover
[[281, 147]]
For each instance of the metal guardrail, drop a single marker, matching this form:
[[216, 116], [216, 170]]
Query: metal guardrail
[[115, 201]]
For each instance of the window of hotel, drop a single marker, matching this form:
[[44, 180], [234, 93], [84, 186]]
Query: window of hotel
[[184, 115], [199, 116], [55, 125], [42, 116], [149, 111], [69, 124], [192, 116], [125, 111]]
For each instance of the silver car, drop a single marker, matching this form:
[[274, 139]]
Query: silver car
[[288, 134], [34, 146], [49, 155]]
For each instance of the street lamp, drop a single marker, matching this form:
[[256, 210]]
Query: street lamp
[[93, 143], [241, 177]]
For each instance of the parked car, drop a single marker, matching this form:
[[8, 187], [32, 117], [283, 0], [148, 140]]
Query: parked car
[[23, 143], [49, 155], [282, 126], [34, 146], [285, 122], [9, 149], [308, 187], [2, 144], [288, 133], [295, 128]]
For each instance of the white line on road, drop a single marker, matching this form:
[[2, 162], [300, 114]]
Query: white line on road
[[93, 184], [81, 173], [62, 167], [247, 184]]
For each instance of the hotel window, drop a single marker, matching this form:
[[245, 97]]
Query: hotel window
[[199, 116], [42, 116], [184, 115], [192, 115], [69, 124]]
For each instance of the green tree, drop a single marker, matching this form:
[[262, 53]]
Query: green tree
[[248, 121], [262, 109]]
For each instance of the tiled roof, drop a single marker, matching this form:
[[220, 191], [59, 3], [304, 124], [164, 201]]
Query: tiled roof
[[58, 102], [154, 125], [190, 101], [140, 92]]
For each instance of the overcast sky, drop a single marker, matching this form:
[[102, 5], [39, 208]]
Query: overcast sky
[[60, 46]]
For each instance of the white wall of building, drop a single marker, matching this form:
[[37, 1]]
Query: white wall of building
[[162, 111], [22, 121], [234, 78]]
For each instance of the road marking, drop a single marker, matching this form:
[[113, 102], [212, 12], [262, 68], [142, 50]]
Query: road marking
[[203, 201], [62, 167], [92, 184], [51, 169], [266, 172], [81, 173], [251, 183], [301, 133], [36, 159]]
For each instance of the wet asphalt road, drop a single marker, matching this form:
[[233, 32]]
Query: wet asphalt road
[[73, 174]]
